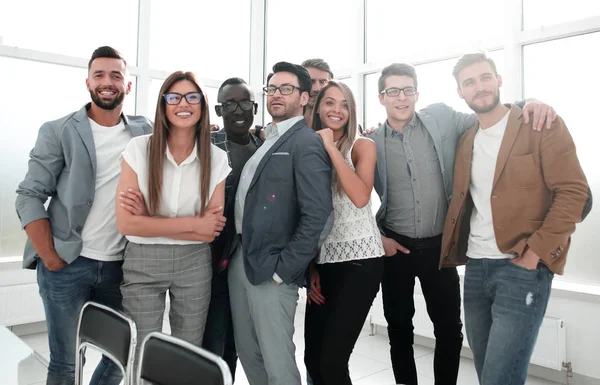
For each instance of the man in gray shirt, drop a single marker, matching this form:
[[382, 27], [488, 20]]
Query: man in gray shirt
[[415, 164]]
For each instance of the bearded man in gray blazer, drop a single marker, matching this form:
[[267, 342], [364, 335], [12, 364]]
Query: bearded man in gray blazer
[[74, 243]]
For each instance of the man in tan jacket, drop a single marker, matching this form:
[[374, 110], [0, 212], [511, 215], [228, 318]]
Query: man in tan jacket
[[516, 198]]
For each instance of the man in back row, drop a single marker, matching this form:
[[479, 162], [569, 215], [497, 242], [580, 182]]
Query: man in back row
[[237, 107], [415, 164]]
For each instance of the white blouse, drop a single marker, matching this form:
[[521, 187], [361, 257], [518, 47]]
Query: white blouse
[[355, 234], [181, 183]]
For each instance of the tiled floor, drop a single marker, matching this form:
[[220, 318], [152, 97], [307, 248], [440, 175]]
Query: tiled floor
[[369, 364]]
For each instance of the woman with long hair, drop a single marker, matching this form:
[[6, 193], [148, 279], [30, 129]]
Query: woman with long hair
[[347, 273], [181, 177]]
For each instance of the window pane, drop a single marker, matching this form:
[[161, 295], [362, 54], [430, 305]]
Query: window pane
[[394, 27], [316, 29], [435, 84], [154, 90], [75, 27], [205, 37], [20, 119], [540, 13], [573, 93]]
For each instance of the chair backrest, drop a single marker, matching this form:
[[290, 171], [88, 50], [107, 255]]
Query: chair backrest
[[108, 331], [166, 360]]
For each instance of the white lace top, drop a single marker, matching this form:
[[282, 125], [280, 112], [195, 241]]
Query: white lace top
[[354, 234]]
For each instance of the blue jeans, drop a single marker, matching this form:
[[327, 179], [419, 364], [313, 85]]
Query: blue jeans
[[504, 308], [64, 293], [218, 334]]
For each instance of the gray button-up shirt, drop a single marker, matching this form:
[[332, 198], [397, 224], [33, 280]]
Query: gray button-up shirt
[[417, 203], [272, 134]]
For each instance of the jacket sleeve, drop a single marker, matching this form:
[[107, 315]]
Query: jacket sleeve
[[45, 165], [312, 174], [572, 198]]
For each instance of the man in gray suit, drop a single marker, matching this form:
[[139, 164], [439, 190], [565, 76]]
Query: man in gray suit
[[74, 244], [282, 205]]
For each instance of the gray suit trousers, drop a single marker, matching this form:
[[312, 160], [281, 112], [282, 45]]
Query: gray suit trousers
[[263, 322]]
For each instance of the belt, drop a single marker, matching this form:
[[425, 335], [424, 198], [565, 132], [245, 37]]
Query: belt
[[415, 243]]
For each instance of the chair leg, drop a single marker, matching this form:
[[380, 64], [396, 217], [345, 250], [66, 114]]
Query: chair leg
[[79, 365]]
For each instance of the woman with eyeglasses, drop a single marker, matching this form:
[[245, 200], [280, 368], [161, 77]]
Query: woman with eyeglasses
[[348, 270], [181, 177]]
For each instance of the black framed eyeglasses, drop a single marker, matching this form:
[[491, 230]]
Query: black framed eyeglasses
[[230, 106], [395, 91], [286, 89], [174, 98]]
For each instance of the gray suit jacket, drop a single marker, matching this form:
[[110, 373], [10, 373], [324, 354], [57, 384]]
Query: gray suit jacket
[[446, 126], [62, 166], [287, 206]]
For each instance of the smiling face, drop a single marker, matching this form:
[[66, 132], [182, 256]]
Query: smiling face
[[184, 114], [333, 110], [107, 83], [400, 109], [240, 120]]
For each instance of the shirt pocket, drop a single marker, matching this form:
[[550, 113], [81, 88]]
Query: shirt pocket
[[433, 162], [524, 171]]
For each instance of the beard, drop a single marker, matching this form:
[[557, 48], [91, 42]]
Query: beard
[[484, 109], [110, 105]]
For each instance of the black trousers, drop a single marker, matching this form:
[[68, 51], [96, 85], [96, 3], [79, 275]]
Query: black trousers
[[331, 329], [441, 289], [218, 334]]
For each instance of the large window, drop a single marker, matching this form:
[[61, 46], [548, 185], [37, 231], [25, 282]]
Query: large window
[[20, 119], [396, 29], [302, 29], [541, 13], [71, 27], [568, 82], [210, 38]]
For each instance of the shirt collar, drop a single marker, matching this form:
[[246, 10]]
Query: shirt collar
[[283, 127], [193, 156]]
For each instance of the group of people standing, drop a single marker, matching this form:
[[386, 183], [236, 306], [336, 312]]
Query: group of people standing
[[231, 224]]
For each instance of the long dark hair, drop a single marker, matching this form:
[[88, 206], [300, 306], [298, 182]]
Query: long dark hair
[[158, 144], [350, 129]]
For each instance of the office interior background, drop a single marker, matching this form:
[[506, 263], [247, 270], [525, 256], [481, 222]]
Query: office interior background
[[544, 49]]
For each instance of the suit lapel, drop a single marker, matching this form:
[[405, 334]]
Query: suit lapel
[[274, 148], [469, 138], [434, 131], [510, 135], [136, 130], [82, 126]]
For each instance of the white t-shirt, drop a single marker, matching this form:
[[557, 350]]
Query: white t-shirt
[[101, 238], [482, 240], [181, 183]]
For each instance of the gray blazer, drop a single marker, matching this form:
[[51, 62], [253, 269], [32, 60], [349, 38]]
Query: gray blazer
[[62, 166], [287, 206], [446, 126]]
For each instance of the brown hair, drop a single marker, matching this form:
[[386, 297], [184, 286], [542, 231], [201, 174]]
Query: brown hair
[[397, 69], [350, 129], [471, 58], [158, 144]]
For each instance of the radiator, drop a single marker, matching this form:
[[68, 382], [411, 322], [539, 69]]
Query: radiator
[[20, 304], [550, 350]]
